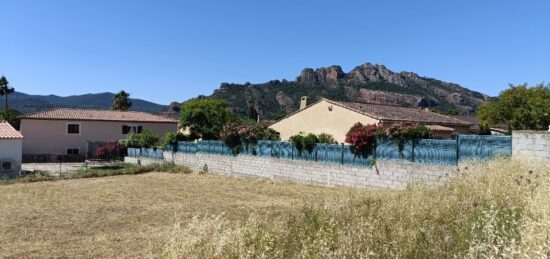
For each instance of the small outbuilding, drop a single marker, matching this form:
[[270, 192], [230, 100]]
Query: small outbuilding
[[11, 146]]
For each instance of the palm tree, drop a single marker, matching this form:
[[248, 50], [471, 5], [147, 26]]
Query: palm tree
[[5, 90]]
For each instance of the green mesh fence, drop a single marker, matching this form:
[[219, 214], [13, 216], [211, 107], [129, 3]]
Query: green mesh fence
[[483, 147], [430, 151], [187, 147], [434, 151], [387, 149]]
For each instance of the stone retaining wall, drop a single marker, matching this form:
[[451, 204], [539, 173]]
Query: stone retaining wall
[[386, 174]]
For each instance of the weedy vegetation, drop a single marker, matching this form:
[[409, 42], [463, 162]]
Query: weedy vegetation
[[495, 210], [499, 209]]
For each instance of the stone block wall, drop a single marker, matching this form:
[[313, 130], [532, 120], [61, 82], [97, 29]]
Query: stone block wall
[[386, 174], [532, 144]]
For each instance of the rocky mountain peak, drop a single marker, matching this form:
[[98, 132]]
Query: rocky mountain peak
[[375, 73], [367, 83], [172, 110], [321, 75]]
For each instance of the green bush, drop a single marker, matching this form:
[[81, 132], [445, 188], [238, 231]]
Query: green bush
[[400, 132], [237, 136], [172, 139], [304, 142], [327, 139], [484, 129], [144, 139]]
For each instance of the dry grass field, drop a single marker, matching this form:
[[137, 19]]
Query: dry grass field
[[499, 209], [129, 216]]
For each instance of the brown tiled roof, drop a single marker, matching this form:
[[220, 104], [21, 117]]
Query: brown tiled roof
[[396, 113], [8, 132], [96, 115]]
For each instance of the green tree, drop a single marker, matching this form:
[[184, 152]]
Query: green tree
[[122, 101], [12, 117], [519, 107], [484, 129], [5, 90], [206, 117]]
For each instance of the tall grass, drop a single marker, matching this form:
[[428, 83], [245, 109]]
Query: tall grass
[[497, 209]]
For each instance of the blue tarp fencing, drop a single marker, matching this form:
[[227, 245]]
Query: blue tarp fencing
[[430, 151], [146, 152]]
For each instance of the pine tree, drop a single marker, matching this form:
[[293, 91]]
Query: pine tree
[[5, 90], [121, 101]]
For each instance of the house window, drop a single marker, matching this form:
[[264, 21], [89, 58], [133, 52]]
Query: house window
[[73, 129], [73, 151], [7, 165], [126, 129]]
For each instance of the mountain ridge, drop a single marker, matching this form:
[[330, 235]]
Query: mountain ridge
[[27, 103], [366, 83]]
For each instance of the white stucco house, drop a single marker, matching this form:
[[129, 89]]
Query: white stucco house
[[11, 150]]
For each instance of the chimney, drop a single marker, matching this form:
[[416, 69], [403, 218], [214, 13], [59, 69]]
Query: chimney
[[303, 102]]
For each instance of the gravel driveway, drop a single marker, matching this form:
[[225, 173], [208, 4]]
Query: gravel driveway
[[60, 168]]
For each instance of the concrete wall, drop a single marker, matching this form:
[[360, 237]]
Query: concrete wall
[[387, 174], [11, 149], [50, 136], [532, 144], [317, 119]]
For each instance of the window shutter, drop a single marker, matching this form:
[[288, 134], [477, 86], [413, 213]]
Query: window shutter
[[125, 129], [140, 129]]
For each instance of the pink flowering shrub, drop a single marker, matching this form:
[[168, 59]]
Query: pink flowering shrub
[[109, 150], [362, 138]]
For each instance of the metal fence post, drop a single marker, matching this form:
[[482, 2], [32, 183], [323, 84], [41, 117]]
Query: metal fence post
[[292, 150], [412, 154], [457, 148], [315, 153], [342, 154]]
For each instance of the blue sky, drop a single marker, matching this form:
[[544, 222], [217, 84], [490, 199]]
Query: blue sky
[[174, 50]]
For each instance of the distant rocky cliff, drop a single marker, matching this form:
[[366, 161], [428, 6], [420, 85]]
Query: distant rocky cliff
[[366, 83]]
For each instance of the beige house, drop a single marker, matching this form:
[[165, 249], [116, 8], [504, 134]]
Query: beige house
[[66, 131], [10, 150], [336, 118]]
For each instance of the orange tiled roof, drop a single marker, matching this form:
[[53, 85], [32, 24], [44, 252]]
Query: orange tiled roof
[[396, 113], [8, 132], [96, 115]]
